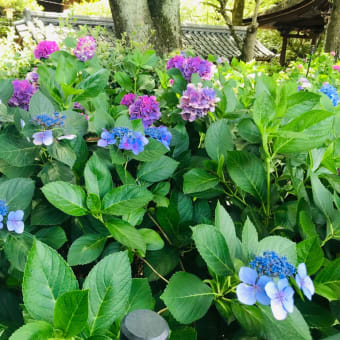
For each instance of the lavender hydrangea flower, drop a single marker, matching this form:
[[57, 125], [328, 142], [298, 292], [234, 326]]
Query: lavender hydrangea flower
[[14, 221], [128, 99], [304, 84], [161, 134], [281, 298], [23, 91], [304, 282], [252, 287], [106, 138], [133, 141], [177, 61], [33, 78], [43, 138], [78, 106], [85, 48], [3, 208], [146, 108], [196, 102], [45, 48], [331, 93]]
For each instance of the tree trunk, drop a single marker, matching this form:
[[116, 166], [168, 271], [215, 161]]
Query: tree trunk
[[238, 10], [155, 21], [332, 36], [248, 51]]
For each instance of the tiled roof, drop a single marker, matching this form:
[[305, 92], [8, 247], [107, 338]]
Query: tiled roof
[[203, 39]]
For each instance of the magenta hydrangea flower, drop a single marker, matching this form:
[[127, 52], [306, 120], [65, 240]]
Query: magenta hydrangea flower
[[85, 48], [45, 48], [23, 91], [145, 108], [196, 102], [128, 99]]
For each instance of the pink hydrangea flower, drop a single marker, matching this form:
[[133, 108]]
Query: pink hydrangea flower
[[332, 53], [45, 48], [85, 48], [336, 67], [300, 66]]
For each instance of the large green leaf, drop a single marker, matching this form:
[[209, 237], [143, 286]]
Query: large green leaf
[[198, 180], [153, 151], [63, 153], [109, 284], [249, 317], [250, 239], [46, 277], [213, 248], [187, 297], [218, 139], [247, 172], [67, 197], [6, 90], [40, 104], [125, 199], [45, 214], [158, 170], [97, 176], [54, 237], [86, 249], [37, 330], [310, 253], [71, 312]]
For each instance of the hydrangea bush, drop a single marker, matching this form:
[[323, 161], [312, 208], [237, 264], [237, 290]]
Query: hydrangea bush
[[206, 190]]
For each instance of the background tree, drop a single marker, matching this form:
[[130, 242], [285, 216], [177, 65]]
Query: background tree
[[156, 21], [332, 41]]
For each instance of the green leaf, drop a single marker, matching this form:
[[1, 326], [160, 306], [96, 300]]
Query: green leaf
[[46, 277], [63, 153], [97, 176], [310, 253], [158, 170], [6, 90], [71, 312], [45, 214], [249, 317], [186, 333], [109, 284], [198, 180], [93, 203], [140, 296], [213, 248], [125, 233], [125, 199], [152, 239], [281, 245], [247, 172], [187, 297], [67, 197], [86, 249], [37, 330], [124, 80], [249, 239], [54, 237], [153, 151], [40, 104], [293, 327], [218, 140], [249, 131]]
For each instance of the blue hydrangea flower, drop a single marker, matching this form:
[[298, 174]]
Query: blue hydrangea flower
[[252, 287], [43, 138], [3, 208], [49, 122], [304, 282], [1, 219], [14, 221], [133, 141], [161, 134], [106, 138], [281, 298], [331, 93], [273, 265]]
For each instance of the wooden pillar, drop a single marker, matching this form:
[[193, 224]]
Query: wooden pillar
[[284, 49]]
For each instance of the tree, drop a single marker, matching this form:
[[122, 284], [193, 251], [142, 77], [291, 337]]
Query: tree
[[237, 13], [155, 21], [332, 36]]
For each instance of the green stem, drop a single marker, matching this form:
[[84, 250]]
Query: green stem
[[268, 188]]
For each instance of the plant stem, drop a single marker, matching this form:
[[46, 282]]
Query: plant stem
[[268, 188], [153, 269], [160, 228], [162, 311]]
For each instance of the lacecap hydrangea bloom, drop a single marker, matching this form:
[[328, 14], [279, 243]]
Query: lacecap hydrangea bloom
[[161, 134], [86, 48], [23, 91], [266, 282], [45, 48], [14, 218], [191, 65], [197, 101], [331, 93]]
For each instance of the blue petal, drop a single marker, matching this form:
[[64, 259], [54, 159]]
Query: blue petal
[[1, 218], [271, 289], [278, 311], [11, 216], [302, 270], [19, 214], [308, 288], [246, 294], [19, 228], [282, 284], [288, 301], [298, 281], [47, 137], [248, 275]]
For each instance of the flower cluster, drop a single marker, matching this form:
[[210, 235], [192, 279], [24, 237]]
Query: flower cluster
[[304, 84], [266, 282], [85, 48], [142, 107], [49, 122], [23, 91], [78, 106], [33, 78], [161, 134], [45, 48], [331, 93], [196, 102], [14, 218], [191, 65], [336, 67]]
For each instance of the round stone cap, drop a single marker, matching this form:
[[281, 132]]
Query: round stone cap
[[144, 324]]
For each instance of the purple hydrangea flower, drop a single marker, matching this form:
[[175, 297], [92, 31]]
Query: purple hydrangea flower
[[106, 138], [252, 287], [281, 298], [43, 138], [128, 99], [23, 91], [85, 48], [161, 134], [14, 221], [45, 48], [177, 61], [33, 78], [146, 108], [3, 208], [304, 84], [196, 102], [331, 92], [133, 141], [78, 106], [304, 282]]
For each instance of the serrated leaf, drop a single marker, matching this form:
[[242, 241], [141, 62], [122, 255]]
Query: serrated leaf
[[198, 180], [310, 253], [37, 330], [249, 239], [140, 296]]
